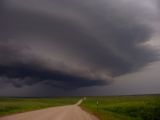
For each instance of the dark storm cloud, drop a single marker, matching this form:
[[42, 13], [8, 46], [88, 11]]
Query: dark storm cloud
[[20, 75], [19, 70], [104, 39]]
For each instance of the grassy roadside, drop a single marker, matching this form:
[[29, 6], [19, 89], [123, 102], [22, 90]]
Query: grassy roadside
[[16, 105], [124, 108]]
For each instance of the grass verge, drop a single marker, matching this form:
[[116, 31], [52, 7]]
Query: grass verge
[[16, 105], [124, 107]]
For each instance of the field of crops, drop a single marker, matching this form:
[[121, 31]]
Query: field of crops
[[16, 105], [124, 107]]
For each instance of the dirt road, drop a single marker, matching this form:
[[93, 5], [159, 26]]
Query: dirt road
[[70, 112]]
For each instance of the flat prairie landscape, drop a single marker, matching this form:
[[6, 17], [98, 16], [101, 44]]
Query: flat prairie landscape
[[79, 59], [124, 107], [105, 108], [16, 105]]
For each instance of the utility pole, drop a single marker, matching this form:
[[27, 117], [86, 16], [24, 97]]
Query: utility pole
[[97, 105]]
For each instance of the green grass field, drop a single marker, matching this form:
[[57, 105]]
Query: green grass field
[[124, 107], [16, 105]]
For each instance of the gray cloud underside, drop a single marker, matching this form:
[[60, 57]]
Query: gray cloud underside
[[72, 44]]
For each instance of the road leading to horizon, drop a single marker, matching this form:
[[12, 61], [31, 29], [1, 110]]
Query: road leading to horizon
[[69, 112]]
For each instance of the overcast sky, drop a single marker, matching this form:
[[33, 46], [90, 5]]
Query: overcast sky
[[79, 47]]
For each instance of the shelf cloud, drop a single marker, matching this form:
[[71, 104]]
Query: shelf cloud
[[73, 44]]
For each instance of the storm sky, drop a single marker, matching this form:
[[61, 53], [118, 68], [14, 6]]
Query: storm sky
[[79, 47]]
